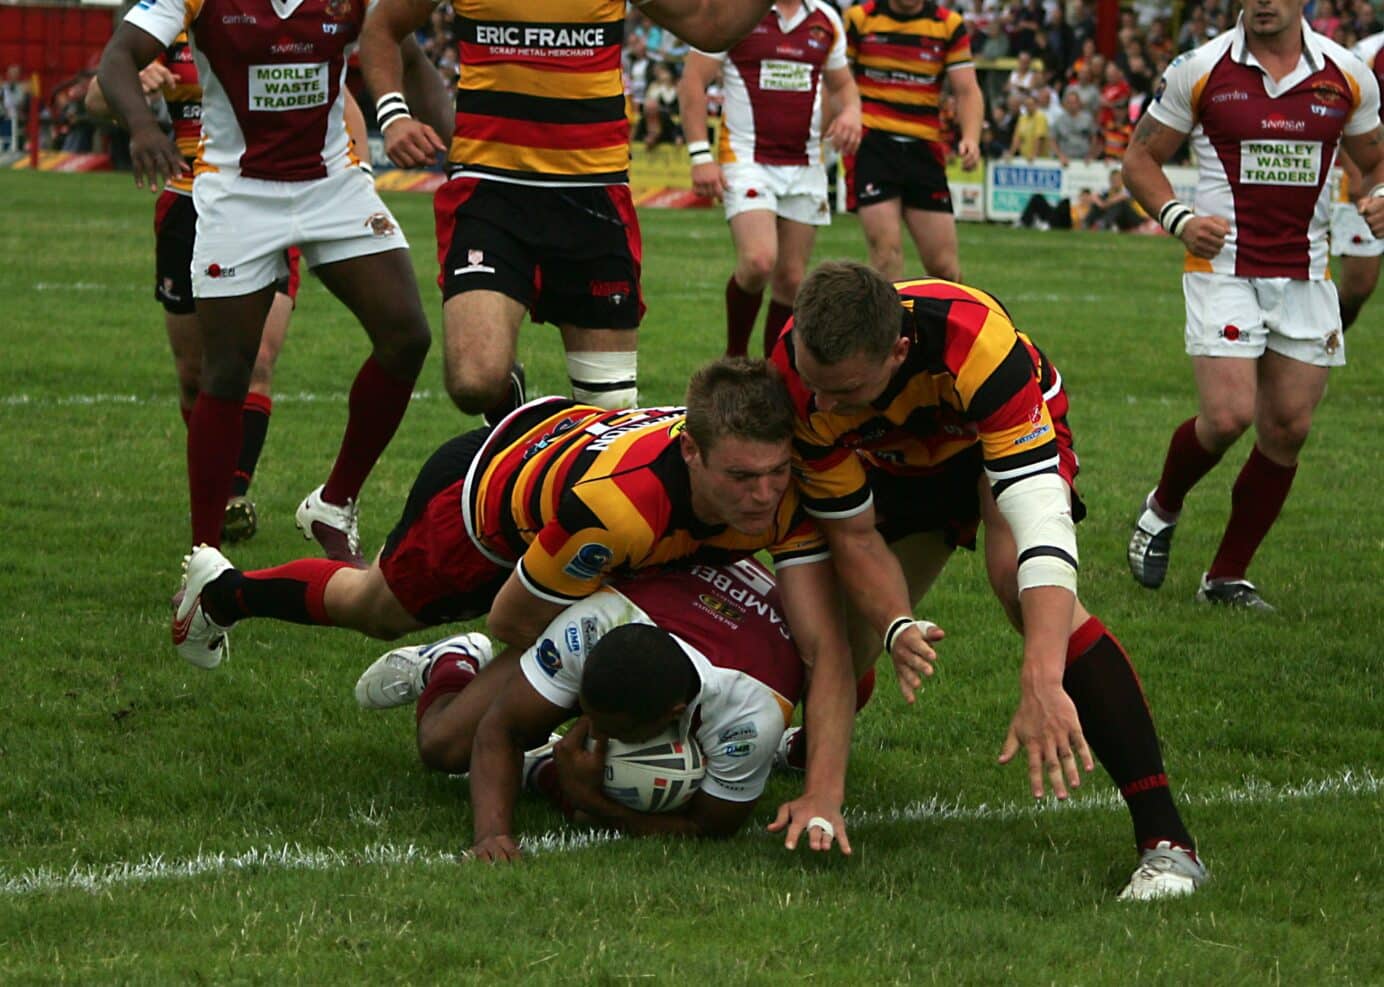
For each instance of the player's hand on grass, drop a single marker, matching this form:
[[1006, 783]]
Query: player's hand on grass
[[1047, 726], [410, 143], [708, 181], [154, 158], [817, 818], [495, 850], [913, 656], [581, 772], [1204, 236]]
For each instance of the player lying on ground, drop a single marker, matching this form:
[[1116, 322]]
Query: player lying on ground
[[705, 648]]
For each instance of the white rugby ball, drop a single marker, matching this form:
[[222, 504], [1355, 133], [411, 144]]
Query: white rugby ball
[[657, 775]]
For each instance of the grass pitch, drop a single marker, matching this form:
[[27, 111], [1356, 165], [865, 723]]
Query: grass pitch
[[162, 824]]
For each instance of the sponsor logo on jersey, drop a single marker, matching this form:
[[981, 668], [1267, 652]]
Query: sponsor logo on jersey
[[540, 37], [741, 731], [738, 749], [290, 86], [1327, 111], [1283, 124], [1329, 93], [590, 632], [721, 608], [333, 28], [818, 36], [1033, 436], [1232, 96], [548, 658], [234, 18], [589, 562], [287, 46], [338, 10], [1279, 162], [572, 637]]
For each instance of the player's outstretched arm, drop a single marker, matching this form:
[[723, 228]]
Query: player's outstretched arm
[[408, 141], [711, 25], [811, 602], [518, 720], [154, 157], [581, 773]]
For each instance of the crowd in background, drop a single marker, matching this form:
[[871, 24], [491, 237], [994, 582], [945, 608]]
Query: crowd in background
[[1048, 92]]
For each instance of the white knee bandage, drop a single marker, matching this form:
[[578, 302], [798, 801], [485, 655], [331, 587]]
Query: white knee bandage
[[1039, 512], [607, 380]]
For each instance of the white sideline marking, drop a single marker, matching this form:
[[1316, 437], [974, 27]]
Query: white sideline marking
[[299, 397], [154, 867]]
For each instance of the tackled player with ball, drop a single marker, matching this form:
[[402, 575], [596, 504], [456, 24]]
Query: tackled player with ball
[[704, 649]]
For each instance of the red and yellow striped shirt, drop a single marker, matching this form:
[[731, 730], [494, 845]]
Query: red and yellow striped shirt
[[540, 97]]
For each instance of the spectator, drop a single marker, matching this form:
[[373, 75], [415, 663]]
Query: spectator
[[661, 108], [1114, 209], [1194, 32], [1030, 138], [14, 108], [1023, 79], [1084, 83], [1073, 131], [999, 129], [1325, 20], [1061, 40], [1083, 23], [1028, 24], [996, 41], [638, 72], [1113, 115]]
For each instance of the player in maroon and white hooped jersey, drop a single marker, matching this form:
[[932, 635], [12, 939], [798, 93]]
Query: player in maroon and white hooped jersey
[[1267, 105], [275, 170], [1351, 239], [705, 647], [768, 166]]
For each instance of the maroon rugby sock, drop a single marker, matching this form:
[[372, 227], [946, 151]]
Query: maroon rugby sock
[[774, 321], [1255, 502], [1119, 730], [377, 405], [1186, 463], [742, 308], [294, 592], [254, 426], [449, 674], [213, 440]]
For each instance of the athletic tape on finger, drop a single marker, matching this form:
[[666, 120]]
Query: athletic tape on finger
[[823, 825]]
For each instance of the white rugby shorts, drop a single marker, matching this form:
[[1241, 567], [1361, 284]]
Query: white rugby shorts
[[1241, 317], [1350, 234], [244, 225], [793, 192]]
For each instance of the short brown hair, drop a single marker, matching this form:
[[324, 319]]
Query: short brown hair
[[845, 308], [738, 397]]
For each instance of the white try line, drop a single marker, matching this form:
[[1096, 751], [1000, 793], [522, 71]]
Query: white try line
[[96, 878], [83, 400]]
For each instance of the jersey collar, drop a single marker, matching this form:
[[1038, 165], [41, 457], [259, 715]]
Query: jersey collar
[[1311, 50]]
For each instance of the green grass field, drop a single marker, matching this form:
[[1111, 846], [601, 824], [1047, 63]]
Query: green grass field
[[162, 824]]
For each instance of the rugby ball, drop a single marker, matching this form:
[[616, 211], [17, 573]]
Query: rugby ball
[[657, 775]]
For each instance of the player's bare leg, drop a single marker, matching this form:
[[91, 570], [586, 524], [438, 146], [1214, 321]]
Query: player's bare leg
[[934, 234], [1227, 391], [1359, 276], [185, 341], [795, 242], [881, 222], [480, 338], [756, 257]]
